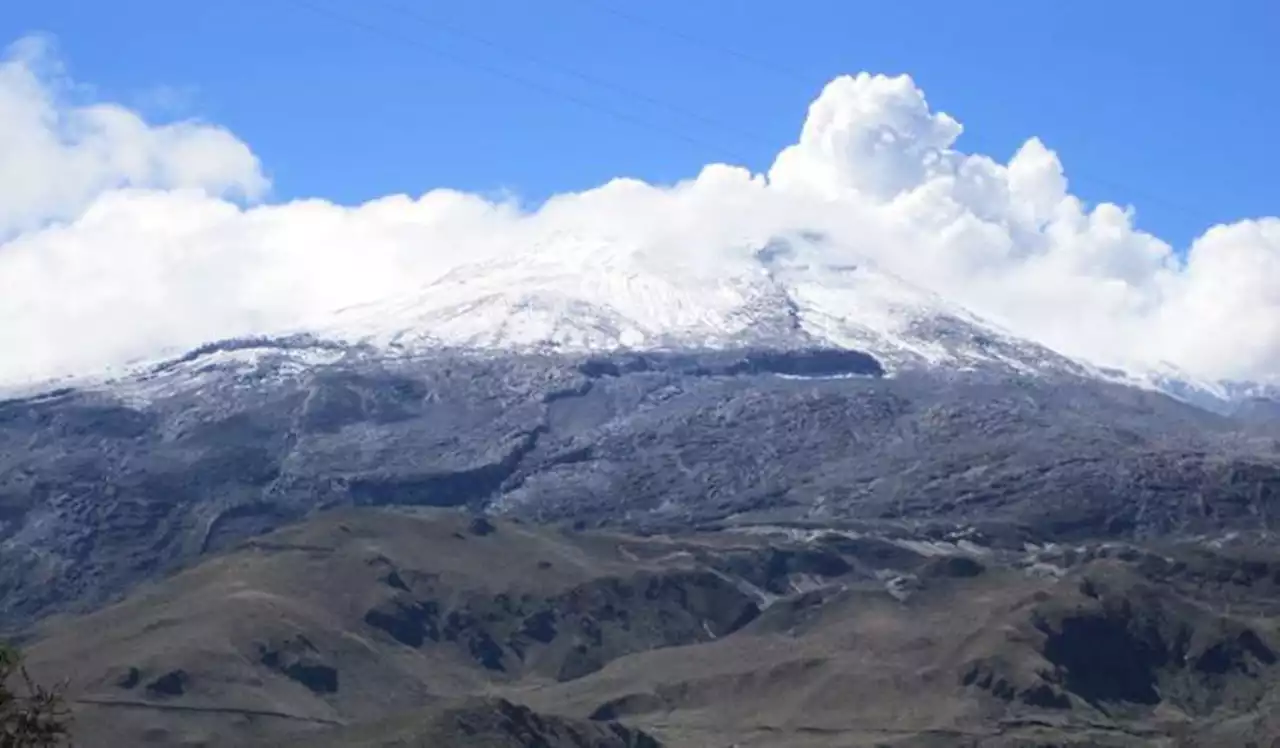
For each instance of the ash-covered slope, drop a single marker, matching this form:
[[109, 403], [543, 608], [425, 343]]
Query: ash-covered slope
[[104, 486]]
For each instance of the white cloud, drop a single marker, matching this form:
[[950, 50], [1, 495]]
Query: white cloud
[[56, 155], [124, 242]]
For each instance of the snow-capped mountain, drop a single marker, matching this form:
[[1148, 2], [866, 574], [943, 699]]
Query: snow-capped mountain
[[787, 293], [578, 294], [793, 291], [692, 388]]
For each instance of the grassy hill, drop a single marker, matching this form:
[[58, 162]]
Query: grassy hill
[[374, 627]]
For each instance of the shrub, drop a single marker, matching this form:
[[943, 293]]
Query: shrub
[[31, 715]]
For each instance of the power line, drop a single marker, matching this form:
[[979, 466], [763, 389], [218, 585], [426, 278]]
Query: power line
[[726, 51], [618, 114], [445, 25], [1076, 174], [517, 79]]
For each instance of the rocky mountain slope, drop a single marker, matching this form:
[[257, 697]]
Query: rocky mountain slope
[[482, 723], [379, 627], [774, 496], [105, 486]]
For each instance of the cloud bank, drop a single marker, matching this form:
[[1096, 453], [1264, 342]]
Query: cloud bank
[[121, 239]]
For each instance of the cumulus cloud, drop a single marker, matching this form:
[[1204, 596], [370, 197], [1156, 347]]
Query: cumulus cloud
[[56, 155], [123, 239]]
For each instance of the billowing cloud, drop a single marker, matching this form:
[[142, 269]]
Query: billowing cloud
[[56, 156], [126, 239]]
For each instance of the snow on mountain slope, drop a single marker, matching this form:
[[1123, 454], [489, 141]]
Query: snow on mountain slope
[[1220, 396], [583, 296], [577, 294]]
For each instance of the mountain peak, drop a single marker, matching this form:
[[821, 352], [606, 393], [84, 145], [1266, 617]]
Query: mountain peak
[[790, 291]]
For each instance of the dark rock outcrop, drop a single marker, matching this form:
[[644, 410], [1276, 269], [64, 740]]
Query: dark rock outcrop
[[172, 683], [298, 659]]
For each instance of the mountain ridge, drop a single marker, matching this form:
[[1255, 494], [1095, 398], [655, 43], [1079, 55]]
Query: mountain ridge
[[787, 293], [102, 487]]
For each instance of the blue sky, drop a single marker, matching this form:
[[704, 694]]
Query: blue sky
[[1171, 107], [1173, 112]]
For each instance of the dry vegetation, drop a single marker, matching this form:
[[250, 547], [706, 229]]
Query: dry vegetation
[[384, 628]]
